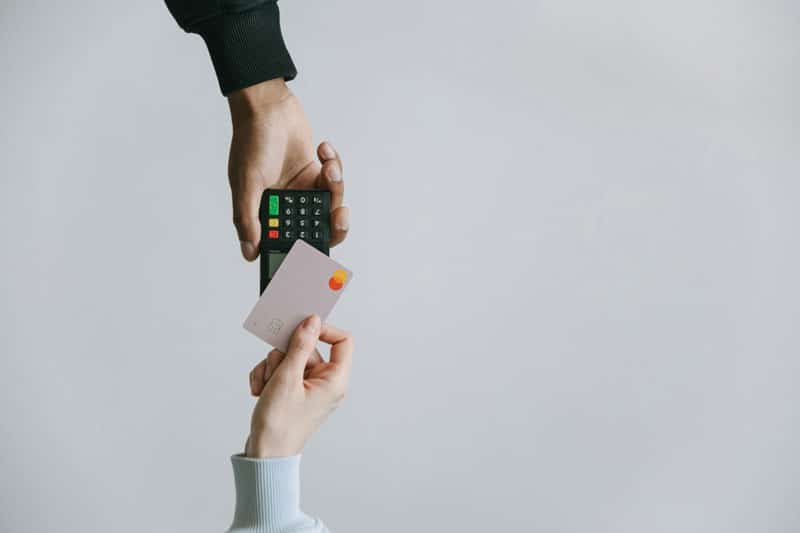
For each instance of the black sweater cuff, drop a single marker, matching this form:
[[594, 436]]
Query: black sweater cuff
[[247, 47]]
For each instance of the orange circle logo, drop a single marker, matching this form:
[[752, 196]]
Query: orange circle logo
[[337, 280]]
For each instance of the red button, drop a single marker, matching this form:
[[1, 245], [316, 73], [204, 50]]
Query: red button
[[273, 234]]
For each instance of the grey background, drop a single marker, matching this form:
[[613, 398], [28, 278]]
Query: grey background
[[574, 233]]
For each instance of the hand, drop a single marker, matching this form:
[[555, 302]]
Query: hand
[[297, 390], [271, 147]]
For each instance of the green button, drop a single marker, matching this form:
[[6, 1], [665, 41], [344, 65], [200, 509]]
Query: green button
[[273, 204]]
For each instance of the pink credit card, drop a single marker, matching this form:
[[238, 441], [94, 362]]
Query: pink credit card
[[307, 282]]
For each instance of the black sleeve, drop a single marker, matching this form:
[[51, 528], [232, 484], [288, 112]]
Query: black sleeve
[[243, 37]]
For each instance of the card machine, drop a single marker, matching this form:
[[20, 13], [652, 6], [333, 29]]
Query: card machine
[[287, 215]]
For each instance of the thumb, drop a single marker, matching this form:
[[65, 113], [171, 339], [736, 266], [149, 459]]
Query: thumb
[[245, 217], [302, 346]]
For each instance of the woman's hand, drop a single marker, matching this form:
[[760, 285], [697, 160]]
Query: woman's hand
[[297, 390]]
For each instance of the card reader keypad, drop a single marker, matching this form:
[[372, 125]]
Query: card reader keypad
[[288, 215], [297, 215]]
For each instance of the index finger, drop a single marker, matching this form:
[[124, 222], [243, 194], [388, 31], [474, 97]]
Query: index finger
[[330, 176], [341, 345]]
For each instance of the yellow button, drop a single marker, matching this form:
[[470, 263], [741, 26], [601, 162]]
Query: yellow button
[[273, 223]]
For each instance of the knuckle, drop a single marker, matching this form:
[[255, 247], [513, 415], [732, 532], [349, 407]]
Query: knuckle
[[240, 220], [347, 337], [297, 344], [303, 342], [339, 393]]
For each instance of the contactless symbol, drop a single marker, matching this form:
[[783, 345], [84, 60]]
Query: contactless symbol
[[337, 280]]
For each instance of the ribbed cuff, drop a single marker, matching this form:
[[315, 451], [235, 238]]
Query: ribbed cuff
[[267, 493], [247, 47]]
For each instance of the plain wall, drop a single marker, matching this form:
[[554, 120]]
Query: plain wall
[[575, 245]]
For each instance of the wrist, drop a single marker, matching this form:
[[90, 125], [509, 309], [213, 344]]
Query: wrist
[[254, 100], [262, 446]]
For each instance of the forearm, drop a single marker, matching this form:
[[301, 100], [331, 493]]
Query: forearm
[[268, 497], [243, 38]]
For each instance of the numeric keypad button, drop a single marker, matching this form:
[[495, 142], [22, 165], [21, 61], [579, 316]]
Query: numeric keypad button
[[302, 199], [288, 234], [288, 199], [288, 211], [316, 199], [302, 211], [316, 211]]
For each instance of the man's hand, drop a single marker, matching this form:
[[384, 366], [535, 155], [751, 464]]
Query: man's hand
[[297, 390], [271, 147]]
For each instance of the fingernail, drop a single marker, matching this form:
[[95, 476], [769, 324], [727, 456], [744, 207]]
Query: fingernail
[[312, 322], [334, 174], [248, 248], [327, 151], [344, 225]]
